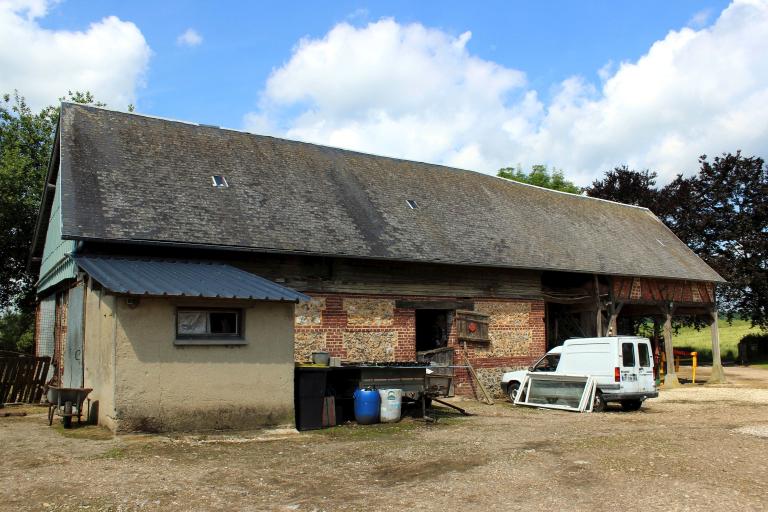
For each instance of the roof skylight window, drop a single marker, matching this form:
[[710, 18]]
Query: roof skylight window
[[412, 204], [219, 181]]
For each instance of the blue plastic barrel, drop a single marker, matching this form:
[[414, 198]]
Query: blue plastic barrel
[[367, 405]]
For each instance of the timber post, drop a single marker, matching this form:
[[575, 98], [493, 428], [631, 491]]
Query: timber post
[[598, 310], [670, 377], [718, 375], [612, 323]]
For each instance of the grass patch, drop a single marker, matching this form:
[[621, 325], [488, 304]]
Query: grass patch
[[28, 409], [113, 454], [91, 432], [355, 432], [701, 341]]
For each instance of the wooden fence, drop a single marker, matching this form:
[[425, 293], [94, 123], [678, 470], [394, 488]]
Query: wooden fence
[[22, 378]]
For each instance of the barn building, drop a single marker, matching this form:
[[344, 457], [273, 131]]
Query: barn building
[[188, 228]]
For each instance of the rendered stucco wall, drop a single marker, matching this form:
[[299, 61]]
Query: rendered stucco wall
[[162, 387], [98, 353]]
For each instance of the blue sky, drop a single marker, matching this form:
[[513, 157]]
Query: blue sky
[[581, 86], [217, 81]]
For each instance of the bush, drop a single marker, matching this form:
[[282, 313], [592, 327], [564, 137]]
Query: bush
[[15, 332], [753, 348]]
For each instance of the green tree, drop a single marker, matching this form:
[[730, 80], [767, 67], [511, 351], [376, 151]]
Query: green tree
[[721, 213], [540, 176], [26, 139], [627, 186], [16, 333]]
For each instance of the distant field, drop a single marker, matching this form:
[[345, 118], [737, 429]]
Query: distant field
[[701, 341]]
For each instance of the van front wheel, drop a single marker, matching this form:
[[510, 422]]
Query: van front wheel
[[512, 389], [599, 404], [631, 405]]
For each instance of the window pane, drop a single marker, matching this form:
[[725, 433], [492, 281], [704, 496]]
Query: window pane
[[556, 392], [223, 323], [628, 354], [644, 355], [192, 322]]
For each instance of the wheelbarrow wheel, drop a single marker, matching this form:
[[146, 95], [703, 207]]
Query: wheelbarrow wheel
[[67, 415], [51, 408]]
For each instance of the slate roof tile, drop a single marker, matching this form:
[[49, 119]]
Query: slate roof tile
[[130, 177]]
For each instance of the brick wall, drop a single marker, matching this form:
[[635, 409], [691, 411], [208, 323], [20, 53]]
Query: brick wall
[[60, 335], [372, 328], [517, 332], [355, 328]]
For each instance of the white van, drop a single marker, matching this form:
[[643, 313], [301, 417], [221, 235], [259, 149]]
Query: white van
[[622, 365]]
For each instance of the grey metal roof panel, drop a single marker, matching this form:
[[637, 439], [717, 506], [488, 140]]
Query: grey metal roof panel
[[139, 276], [128, 177]]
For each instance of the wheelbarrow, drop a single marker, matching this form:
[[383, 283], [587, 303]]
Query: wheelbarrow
[[66, 402]]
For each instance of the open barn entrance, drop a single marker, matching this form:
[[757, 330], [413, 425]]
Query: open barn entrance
[[575, 304], [431, 329], [566, 321]]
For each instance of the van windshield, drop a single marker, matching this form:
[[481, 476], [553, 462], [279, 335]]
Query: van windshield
[[548, 363]]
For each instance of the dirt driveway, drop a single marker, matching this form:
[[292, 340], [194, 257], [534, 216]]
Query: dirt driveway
[[697, 448]]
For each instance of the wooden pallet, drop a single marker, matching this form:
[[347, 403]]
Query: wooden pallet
[[22, 378]]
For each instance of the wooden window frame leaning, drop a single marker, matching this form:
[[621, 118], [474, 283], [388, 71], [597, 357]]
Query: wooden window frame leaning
[[587, 396], [209, 338]]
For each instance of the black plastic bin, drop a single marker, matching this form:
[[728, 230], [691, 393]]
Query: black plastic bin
[[309, 389]]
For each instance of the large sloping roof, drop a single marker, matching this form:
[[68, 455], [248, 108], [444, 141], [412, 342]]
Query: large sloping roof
[[127, 177]]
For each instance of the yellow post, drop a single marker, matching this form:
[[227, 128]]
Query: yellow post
[[661, 367], [693, 366]]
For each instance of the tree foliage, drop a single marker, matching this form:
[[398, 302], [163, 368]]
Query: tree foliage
[[540, 176], [16, 333], [627, 186], [721, 213], [26, 139]]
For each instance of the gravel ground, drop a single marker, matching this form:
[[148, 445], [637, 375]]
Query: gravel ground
[[695, 448]]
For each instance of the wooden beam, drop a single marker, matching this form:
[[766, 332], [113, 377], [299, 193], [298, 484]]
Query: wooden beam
[[615, 310], [431, 304], [718, 375], [670, 378], [598, 309]]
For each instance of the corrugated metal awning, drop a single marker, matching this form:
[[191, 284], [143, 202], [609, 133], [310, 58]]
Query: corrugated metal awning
[[156, 277]]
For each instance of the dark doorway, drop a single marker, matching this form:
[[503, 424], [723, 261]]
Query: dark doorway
[[431, 329], [566, 321]]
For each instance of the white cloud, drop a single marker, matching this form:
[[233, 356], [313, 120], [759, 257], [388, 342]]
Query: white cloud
[[700, 18], [358, 14], [416, 92], [190, 38], [388, 88], [109, 58]]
